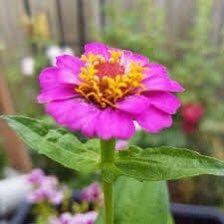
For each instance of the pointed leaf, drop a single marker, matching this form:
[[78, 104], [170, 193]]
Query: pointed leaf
[[165, 163], [58, 145]]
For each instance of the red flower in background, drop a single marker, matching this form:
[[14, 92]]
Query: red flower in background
[[191, 114]]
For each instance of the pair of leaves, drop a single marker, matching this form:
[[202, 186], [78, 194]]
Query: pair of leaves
[[140, 202], [161, 163]]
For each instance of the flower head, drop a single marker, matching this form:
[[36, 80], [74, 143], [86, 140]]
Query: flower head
[[105, 90], [191, 113], [45, 188], [92, 193], [36, 176]]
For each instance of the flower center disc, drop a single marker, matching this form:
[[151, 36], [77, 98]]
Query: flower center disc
[[106, 82], [109, 69]]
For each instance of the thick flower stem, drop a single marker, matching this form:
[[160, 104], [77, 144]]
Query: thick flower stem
[[107, 157]]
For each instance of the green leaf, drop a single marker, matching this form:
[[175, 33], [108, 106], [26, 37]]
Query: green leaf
[[59, 145], [140, 202], [164, 163]]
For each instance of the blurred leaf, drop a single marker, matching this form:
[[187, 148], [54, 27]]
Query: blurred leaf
[[163, 163], [58, 145], [140, 202]]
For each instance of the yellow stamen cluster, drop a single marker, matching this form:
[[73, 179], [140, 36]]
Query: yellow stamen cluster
[[106, 90]]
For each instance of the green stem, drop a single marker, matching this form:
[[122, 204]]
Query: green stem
[[107, 156]]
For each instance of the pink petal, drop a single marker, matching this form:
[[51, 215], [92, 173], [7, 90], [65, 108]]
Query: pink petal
[[156, 69], [75, 114], [56, 84], [139, 58], [51, 76], [135, 104], [97, 48], [70, 62], [67, 77], [62, 111], [153, 120], [90, 121], [130, 56], [164, 101], [114, 124], [58, 93], [161, 83]]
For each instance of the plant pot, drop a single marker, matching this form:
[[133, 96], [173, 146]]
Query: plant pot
[[22, 214], [195, 214], [182, 213]]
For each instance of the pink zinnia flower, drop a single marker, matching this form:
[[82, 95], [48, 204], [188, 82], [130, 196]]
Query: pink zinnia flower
[[105, 90]]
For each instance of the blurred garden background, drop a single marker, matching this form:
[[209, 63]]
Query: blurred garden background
[[187, 36]]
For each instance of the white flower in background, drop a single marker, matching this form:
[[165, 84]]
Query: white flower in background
[[27, 66], [67, 50], [54, 51]]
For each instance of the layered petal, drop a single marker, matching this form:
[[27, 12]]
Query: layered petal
[[115, 124], [61, 92], [51, 76], [164, 101], [161, 83], [153, 120], [70, 62], [135, 104], [55, 85], [128, 56], [75, 114], [156, 69], [97, 48]]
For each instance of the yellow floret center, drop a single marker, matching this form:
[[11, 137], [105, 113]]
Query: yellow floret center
[[102, 82]]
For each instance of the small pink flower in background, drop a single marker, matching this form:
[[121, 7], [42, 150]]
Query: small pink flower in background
[[46, 188], [191, 113], [65, 218], [104, 91], [92, 193], [121, 145], [80, 218], [85, 218], [36, 176]]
